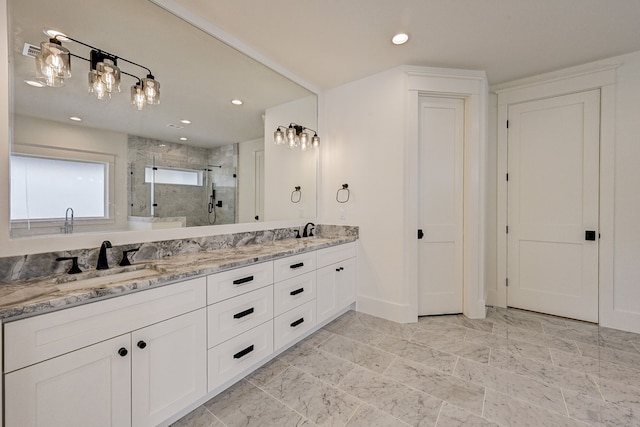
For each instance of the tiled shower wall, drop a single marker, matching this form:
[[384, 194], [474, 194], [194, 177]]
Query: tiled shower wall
[[182, 200]]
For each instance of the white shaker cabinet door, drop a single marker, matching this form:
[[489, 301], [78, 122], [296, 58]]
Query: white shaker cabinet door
[[336, 288], [87, 387], [169, 367]]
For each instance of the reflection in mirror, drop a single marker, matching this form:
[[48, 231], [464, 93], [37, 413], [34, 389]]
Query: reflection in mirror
[[81, 164]]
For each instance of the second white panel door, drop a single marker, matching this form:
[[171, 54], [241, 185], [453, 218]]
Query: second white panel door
[[441, 172], [553, 193]]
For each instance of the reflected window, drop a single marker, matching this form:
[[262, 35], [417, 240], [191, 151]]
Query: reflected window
[[173, 176], [43, 188]]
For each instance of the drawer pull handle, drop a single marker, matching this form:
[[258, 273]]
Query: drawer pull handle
[[141, 344], [297, 322], [243, 313], [296, 292], [298, 265], [123, 352], [243, 280], [244, 352]]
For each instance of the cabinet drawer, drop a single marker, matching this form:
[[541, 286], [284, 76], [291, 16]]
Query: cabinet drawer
[[228, 284], [293, 292], [234, 316], [286, 268], [293, 324], [335, 254], [42, 337], [242, 352]]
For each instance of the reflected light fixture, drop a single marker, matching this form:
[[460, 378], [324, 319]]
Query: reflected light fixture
[[75, 118], [236, 102], [34, 83], [400, 38], [53, 66], [295, 136]]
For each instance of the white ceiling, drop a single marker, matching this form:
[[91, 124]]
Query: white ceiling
[[331, 42]]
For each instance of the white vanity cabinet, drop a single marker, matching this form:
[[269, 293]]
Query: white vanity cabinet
[[132, 360], [336, 280], [239, 321]]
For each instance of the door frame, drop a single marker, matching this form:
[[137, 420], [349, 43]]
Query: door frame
[[472, 87], [548, 86]]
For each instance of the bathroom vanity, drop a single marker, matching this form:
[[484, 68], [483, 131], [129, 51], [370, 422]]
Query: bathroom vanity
[[164, 342]]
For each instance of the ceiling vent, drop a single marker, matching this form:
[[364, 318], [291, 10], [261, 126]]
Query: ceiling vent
[[30, 50]]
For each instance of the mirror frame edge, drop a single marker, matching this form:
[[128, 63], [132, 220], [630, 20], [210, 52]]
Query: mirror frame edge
[[40, 244]]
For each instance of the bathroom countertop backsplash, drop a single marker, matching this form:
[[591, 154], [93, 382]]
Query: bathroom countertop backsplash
[[34, 284]]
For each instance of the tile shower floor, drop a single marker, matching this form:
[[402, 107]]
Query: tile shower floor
[[514, 368]]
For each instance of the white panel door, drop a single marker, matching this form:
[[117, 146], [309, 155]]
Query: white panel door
[[440, 251], [87, 387], [553, 155], [169, 367]]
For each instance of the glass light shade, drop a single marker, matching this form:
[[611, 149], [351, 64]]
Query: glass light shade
[[278, 137], [315, 141], [109, 74], [294, 143], [97, 86], [137, 96], [304, 140], [291, 135], [151, 89], [53, 64]]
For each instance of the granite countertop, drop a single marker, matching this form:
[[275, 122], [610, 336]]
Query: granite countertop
[[30, 297]]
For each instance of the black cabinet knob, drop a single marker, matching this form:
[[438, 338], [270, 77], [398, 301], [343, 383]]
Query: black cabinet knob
[[123, 352], [141, 344]]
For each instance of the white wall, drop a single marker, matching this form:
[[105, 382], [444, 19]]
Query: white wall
[[363, 146], [285, 168], [626, 293]]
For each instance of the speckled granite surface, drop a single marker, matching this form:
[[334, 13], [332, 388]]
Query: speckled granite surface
[[158, 264]]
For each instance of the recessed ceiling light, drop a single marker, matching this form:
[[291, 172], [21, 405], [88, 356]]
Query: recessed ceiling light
[[401, 38], [185, 121], [53, 34], [182, 138], [75, 118], [236, 102], [34, 83]]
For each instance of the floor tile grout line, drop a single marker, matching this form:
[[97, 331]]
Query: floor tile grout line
[[564, 400], [439, 412]]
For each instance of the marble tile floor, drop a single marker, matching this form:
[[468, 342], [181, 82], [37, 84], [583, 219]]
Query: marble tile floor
[[514, 368]]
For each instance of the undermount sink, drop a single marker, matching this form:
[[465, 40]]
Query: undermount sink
[[99, 278]]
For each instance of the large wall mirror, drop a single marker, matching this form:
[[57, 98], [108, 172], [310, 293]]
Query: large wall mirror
[[81, 164]]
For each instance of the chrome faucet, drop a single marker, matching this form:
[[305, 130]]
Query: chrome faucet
[[310, 232], [102, 256], [67, 228]]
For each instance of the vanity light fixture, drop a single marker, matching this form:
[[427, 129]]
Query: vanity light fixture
[[53, 66], [400, 38], [295, 137]]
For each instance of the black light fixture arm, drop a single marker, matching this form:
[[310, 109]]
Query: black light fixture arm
[[101, 51], [121, 72], [299, 128]]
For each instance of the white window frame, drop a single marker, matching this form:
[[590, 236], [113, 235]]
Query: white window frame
[[55, 153]]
